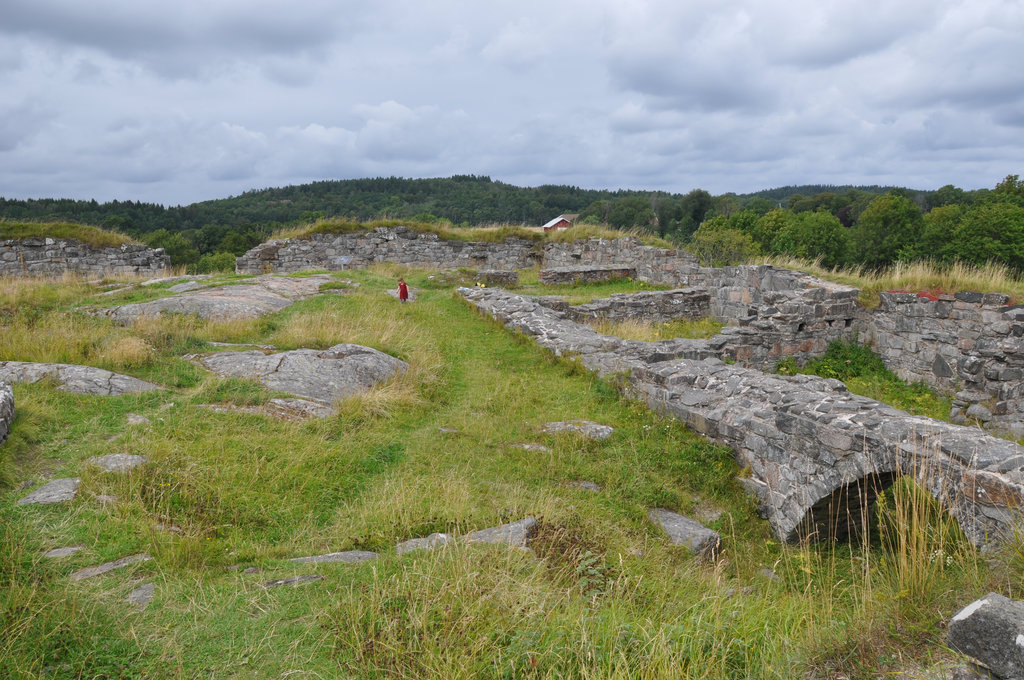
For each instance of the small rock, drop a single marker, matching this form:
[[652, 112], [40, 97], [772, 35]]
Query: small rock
[[681, 530], [136, 419], [99, 569], [57, 491], [293, 581], [586, 428], [117, 462], [63, 552], [25, 485], [991, 631], [251, 570], [435, 540], [142, 596], [587, 486], [350, 556], [540, 448], [515, 534], [447, 430], [770, 575]]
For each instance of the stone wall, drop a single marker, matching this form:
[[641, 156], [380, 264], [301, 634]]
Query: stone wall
[[384, 244], [47, 256], [817, 455], [969, 344], [6, 410]]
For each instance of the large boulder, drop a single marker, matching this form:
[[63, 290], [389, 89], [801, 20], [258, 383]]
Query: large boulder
[[74, 378], [991, 631], [324, 375], [6, 410]]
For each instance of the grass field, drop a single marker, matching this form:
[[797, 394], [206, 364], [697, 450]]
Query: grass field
[[604, 595]]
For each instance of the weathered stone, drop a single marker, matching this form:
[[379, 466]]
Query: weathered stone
[[515, 534], [254, 298], [57, 491], [435, 540], [585, 274], [293, 581], [46, 257], [142, 596], [586, 428], [74, 378], [63, 552], [585, 485], [136, 419], [116, 462], [326, 376], [498, 277], [349, 556], [539, 448], [703, 542], [991, 631], [6, 410], [98, 570]]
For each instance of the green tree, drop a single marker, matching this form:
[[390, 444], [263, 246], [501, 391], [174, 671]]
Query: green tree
[[717, 246], [177, 247], [815, 236], [990, 232], [889, 224]]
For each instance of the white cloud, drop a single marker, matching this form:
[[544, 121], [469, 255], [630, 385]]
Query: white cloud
[[193, 100]]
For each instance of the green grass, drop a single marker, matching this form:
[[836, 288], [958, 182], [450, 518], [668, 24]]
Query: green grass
[[93, 236], [864, 373], [605, 597], [652, 332]]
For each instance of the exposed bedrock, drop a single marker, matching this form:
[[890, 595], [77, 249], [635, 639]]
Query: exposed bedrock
[[816, 455]]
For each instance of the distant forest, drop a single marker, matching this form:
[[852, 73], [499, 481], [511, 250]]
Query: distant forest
[[869, 226]]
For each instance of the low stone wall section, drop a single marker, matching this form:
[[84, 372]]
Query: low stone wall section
[[576, 275], [813, 450], [400, 245], [49, 256], [6, 410], [969, 344]]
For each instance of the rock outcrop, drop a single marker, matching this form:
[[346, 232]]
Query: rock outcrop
[[74, 378], [323, 375], [248, 300]]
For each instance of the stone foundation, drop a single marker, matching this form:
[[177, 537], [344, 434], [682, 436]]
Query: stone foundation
[[817, 455], [48, 256]]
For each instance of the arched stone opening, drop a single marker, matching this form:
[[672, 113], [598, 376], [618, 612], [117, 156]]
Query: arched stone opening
[[847, 512]]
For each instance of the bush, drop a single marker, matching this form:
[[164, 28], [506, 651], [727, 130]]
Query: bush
[[217, 262]]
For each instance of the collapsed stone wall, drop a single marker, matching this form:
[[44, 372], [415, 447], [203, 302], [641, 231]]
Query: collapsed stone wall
[[969, 344], [817, 455], [400, 245], [45, 256], [6, 410]]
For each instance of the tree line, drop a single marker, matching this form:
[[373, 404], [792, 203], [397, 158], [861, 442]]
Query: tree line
[[869, 226]]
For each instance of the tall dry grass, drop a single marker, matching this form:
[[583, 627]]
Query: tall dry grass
[[915, 276]]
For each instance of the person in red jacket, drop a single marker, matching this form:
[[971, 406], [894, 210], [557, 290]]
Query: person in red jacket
[[403, 291]]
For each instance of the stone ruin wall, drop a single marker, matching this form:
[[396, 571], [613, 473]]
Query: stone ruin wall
[[968, 345], [400, 245], [813, 450], [50, 256], [6, 410]]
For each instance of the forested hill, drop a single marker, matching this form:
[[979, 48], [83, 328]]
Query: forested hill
[[462, 199]]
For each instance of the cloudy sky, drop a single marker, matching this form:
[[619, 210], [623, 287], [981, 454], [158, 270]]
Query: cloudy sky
[[177, 102]]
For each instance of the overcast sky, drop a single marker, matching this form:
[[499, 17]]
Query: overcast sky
[[177, 102]]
